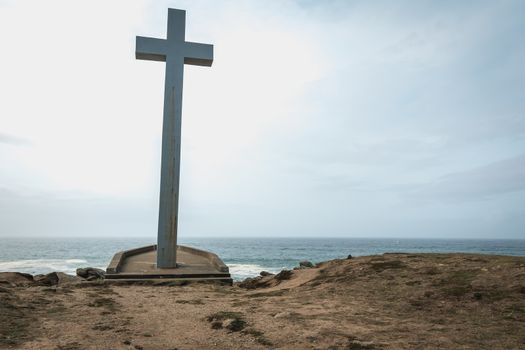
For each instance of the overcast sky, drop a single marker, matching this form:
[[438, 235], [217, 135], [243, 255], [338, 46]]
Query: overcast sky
[[317, 118]]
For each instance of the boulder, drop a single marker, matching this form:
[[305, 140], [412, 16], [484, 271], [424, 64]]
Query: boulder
[[16, 278], [250, 282], [306, 264], [284, 275], [91, 273], [258, 282], [65, 278], [49, 279], [265, 273]]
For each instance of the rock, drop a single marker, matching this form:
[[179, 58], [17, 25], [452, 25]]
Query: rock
[[16, 278], [255, 282], [234, 325], [64, 278], [82, 272], [50, 279], [265, 273], [349, 257], [91, 273], [249, 283], [282, 315], [301, 268], [306, 264], [284, 275]]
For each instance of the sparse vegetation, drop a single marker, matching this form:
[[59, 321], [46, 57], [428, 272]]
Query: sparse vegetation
[[103, 302], [387, 264], [224, 315], [102, 327], [192, 302], [457, 283]]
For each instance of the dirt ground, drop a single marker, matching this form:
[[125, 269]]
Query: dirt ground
[[392, 301]]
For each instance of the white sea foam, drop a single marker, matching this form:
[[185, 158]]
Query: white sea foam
[[38, 266], [242, 271]]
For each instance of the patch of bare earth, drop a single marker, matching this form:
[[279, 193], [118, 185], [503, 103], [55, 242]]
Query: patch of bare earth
[[392, 301]]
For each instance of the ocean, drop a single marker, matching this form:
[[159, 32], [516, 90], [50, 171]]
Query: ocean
[[246, 257]]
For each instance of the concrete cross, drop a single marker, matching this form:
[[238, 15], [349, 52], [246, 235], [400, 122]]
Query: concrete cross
[[176, 52]]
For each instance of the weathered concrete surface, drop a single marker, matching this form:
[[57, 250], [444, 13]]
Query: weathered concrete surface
[[192, 264]]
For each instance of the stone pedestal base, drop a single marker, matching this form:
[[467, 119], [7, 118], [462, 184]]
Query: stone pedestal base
[[192, 265]]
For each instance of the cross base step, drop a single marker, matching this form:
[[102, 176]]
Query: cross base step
[[137, 265]]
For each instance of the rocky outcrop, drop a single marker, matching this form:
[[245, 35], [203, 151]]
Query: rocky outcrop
[[284, 275], [306, 264], [266, 280], [64, 278], [15, 278], [91, 273], [49, 279], [254, 282], [11, 279]]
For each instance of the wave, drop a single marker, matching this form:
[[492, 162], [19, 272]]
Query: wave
[[69, 266], [39, 266], [242, 271]]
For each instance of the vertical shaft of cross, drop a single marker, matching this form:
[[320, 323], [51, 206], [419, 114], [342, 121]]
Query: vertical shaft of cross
[[171, 143], [170, 166], [176, 52]]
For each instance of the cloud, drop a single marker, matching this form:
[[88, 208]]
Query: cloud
[[13, 140], [28, 213], [312, 114], [481, 183]]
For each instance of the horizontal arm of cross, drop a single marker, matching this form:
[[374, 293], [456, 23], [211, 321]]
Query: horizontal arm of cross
[[151, 49], [198, 54]]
